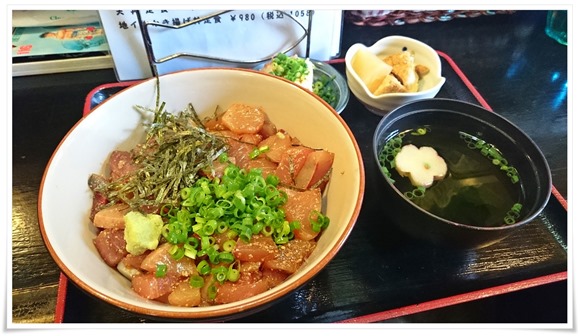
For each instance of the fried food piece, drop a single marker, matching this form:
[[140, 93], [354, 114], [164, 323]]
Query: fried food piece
[[404, 69], [421, 70], [390, 85], [395, 73]]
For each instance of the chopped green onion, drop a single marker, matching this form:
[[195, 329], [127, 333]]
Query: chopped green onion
[[239, 200], [267, 230], [257, 228], [196, 281], [223, 158], [318, 221], [272, 179], [492, 153], [210, 227], [197, 228], [226, 257], [247, 221], [185, 193], [294, 225], [238, 205], [212, 292], [291, 68], [229, 245], [246, 233], [205, 242], [189, 251], [513, 214], [323, 88], [280, 240], [233, 275], [231, 234], [166, 210], [222, 227], [213, 255], [177, 252], [387, 154], [220, 273], [203, 267], [161, 270], [420, 131], [193, 242], [257, 151]]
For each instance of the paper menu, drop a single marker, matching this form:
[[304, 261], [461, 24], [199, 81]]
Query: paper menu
[[238, 34]]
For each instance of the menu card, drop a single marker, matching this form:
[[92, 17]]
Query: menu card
[[242, 35]]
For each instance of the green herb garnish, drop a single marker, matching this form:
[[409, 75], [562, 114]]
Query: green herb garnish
[[492, 153], [292, 68], [323, 88], [161, 270], [513, 214]]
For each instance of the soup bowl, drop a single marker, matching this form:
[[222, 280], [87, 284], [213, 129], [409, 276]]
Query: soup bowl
[[65, 199], [497, 179]]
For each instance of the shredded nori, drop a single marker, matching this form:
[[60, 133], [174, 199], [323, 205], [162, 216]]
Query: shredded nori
[[177, 147]]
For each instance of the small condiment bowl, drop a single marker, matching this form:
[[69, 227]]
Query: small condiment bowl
[[337, 82], [382, 104]]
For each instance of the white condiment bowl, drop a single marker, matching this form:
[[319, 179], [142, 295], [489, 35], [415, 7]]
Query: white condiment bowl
[[382, 104]]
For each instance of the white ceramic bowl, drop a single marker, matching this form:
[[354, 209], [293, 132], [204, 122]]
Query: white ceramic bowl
[[65, 199], [384, 103]]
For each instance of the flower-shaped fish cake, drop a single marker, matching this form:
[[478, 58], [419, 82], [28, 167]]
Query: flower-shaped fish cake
[[422, 165]]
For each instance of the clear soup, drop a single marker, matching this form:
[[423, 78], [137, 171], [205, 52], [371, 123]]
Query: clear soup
[[480, 188]]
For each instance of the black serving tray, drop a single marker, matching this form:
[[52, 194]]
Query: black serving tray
[[381, 274]]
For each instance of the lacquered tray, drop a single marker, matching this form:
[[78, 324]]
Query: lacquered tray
[[380, 273]]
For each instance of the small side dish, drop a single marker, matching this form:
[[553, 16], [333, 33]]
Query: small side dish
[[302, 71], [389, 74], [393, 71]]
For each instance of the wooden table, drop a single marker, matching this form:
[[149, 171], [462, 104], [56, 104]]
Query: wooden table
[[517, 69]]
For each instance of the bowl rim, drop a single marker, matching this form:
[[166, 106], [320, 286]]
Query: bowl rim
[[216, 312], [357, 46], [543, 198]]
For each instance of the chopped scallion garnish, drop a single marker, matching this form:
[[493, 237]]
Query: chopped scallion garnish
[[319, 221], [196, 281], [161, 270]]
